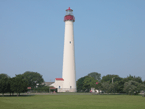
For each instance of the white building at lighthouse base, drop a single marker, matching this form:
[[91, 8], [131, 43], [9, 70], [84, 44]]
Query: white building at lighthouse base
[[58, 84]]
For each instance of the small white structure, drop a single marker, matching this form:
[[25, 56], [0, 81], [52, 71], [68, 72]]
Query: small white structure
[[58, 84], [92, 89], [95, 90], [98, 91], [68, 80]]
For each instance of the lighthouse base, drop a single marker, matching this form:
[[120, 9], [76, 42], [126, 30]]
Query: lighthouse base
[[59, 85], [66, 90]]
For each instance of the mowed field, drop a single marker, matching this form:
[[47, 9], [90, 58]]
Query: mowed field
[[73, 101]]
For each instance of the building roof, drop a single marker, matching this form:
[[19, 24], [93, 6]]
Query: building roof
[[48, 83], [60, 79], [69, 9]]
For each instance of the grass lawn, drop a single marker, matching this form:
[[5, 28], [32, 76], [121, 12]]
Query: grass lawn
[[73, 101]]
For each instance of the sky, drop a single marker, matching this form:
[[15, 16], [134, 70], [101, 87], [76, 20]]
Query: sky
[[109, 37]]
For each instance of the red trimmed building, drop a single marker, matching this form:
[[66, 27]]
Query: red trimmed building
[[58, 84]]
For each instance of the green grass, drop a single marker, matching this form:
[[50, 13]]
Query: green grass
[[73, 101]]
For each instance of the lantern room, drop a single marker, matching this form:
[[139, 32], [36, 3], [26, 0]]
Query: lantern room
[[69, 15]]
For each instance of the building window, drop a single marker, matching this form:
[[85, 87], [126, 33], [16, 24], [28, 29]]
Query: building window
[[70, 42], [59, 87], [70, 87]]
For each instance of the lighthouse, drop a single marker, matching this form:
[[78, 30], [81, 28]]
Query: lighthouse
[[68, 81], [68, 70]]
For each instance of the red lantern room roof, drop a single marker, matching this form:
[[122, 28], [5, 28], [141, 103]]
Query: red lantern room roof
[[69, 9]]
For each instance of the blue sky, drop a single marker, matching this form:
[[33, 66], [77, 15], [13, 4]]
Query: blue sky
[[109, 37]]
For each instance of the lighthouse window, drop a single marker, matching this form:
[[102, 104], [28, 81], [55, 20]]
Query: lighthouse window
[[70, 42]]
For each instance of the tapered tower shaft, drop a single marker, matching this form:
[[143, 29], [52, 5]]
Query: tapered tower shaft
[[68, 72]]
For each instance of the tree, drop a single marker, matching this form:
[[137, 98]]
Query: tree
[[9, 86], [2, 75], [95, 75], [33, 78], [144, 82], [106, 87], [80, 83], [109, 87], [108, 78], [19, 84], [85, 84], [120, 86], [88, 83], [133, 78], [113, 87], [42, 89], [4, 85], [98, 86], [133, 87]]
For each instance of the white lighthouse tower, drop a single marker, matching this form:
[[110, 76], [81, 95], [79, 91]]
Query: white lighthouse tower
[[68, 81], [68, 71]]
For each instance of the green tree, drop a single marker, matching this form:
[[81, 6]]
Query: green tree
[[113, 87], [9, 86], [4, 85], [120, 86], [42, 89], [108, 78], [80, 83], [105, 87], [109, 87], [98, 86], [133, 78], [133, 87], [88, 83], [2, 75], [95, 75], [33, 78], [144, 82], [19, 84]]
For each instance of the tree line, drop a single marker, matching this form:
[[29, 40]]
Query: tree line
[[21, 82], [107, 84], [110, 83]]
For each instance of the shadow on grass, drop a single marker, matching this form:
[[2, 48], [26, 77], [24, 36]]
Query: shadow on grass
[[16, 95], [118, 94]]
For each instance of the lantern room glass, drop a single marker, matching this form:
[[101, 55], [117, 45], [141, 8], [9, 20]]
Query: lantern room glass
[[69, 12]]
